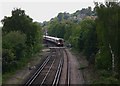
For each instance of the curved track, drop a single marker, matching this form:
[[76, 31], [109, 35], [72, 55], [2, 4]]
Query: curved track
[[49, 72], [68, 69]]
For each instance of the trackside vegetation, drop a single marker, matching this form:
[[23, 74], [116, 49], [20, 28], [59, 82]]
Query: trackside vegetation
[[108, 32], [96, 34], [21, 38], [97, 38]]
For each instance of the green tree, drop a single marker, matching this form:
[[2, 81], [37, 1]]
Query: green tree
[[19, 21], [21, 37], [13, 45], [74, 35], [57, 29], [108, 31], [88, 39]]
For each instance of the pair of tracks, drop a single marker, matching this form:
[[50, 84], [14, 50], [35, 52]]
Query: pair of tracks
[[49, 72]]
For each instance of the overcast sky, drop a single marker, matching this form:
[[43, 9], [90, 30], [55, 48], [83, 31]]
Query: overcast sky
[[44, 10]]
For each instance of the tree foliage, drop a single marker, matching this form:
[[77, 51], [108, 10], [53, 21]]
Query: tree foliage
[[57, 29], [108, 31], [88, 39], [81, 36], [98, 39], [21, 38]]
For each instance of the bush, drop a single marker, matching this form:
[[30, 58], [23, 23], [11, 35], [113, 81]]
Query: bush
[[14, 40], [13, 49], [103, 59], [7, 59]]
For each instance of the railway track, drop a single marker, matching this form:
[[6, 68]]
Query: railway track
[[68, 69], [30, 81], [49, 72]]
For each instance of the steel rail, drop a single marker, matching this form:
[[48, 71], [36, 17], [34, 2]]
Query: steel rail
[[68, 70], [47, 73], [58, 73], [30, 81]]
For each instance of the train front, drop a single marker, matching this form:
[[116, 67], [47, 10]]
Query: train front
[[60, 42]]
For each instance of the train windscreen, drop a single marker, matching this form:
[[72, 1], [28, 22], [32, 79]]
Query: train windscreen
[[61, 41]]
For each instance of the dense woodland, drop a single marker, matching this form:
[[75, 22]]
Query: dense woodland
[[21, 38], [97, 36], [94, 33]]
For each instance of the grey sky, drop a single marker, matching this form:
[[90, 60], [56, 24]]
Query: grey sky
[[44, 10]]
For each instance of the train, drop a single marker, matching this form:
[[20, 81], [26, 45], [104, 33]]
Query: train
[[57, 41]]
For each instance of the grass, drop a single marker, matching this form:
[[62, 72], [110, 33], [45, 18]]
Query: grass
[[99, 76], [22, 64], [82, 66], [106, 77], [6, 76]]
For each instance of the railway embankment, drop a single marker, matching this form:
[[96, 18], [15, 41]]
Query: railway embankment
[[87, 70], [25, 72], [77, 76]]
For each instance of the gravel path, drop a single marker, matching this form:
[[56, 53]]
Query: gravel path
[[76, 74]]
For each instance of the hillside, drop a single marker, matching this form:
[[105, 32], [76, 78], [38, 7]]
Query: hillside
[[74, 17]]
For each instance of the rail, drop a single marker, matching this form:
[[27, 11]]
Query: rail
[[57, 73], [68, 70], [29, 82]]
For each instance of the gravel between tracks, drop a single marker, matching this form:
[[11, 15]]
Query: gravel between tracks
[[76, 74]]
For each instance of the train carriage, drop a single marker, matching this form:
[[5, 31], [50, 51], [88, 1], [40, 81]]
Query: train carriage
[[58, 41]]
